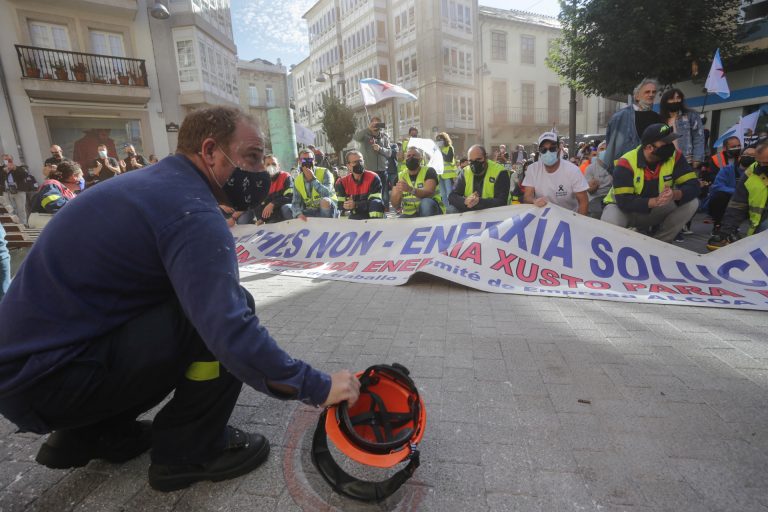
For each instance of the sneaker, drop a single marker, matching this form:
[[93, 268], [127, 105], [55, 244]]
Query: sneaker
[[679, 237], [717, 241], [74, 448], [687, 231], [244, 453]]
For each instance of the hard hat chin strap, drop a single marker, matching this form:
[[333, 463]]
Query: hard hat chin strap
[[345, 484]]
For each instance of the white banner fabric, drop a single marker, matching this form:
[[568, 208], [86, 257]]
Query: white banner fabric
[[518, 249]]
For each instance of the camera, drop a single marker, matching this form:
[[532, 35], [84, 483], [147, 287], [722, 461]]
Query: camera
[[380, 125]]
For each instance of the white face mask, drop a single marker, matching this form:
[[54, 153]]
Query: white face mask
[[272, 170], [103, 154]]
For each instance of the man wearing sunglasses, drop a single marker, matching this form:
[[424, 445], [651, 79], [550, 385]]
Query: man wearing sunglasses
[[482, 184], [554, 180], [654, 186]]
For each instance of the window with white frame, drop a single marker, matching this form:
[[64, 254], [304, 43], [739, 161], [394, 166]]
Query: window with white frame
[[460, 109], [270, 96], [201, 56], [410, 115], [457, 15], [253, 95], [406, 68], [107, 43], [499, 45], [405, 21], [49, 35], [457, 61], [527, 49], [185, 59]]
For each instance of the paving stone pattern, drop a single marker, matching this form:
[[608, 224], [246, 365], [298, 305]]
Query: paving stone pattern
[[535, 404]]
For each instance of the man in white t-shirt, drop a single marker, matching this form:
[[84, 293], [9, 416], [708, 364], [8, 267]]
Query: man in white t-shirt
[[554, 180]]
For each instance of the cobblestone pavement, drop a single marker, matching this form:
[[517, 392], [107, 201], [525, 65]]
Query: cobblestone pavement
[[536, 404]]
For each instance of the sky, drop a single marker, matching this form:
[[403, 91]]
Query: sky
[[272, 29]]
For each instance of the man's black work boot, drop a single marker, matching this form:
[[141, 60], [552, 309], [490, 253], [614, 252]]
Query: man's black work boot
[[243, 453], [74, 448]]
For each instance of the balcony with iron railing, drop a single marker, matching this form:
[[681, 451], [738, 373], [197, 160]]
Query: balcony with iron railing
[[60, 74], [521, 116]]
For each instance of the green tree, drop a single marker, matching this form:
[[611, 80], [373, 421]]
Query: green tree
[[608, 46], [338, 123]]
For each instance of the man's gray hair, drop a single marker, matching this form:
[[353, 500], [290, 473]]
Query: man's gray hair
[[417, 150], [353, 152], [643, 83]]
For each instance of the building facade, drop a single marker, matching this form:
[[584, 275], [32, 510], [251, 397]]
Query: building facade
[[479, 72], [263, 86], [521, 96], [78, 73]]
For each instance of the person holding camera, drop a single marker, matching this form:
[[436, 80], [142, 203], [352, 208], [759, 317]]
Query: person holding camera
[[15, 182], [313, 193], [374, 145]]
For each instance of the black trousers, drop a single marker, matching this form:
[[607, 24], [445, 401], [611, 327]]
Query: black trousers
[[131, 370], [718, 203]]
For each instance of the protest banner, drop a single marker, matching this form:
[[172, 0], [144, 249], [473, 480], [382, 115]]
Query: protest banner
[[518, 249]]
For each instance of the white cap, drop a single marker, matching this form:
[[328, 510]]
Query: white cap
[[547, 136]]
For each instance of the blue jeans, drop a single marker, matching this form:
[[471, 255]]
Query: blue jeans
[[5, 264], [328, 213], [427, 208], [446, 187]]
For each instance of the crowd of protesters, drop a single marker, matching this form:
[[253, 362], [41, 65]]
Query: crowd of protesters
[[647, 167]]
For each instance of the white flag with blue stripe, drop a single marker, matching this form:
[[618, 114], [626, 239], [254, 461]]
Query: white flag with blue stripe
[[716, 82], [375, 90]]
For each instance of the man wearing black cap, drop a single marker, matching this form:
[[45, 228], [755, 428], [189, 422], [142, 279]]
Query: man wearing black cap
[[653, 185]]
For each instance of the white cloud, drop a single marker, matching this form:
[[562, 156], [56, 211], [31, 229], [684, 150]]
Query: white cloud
[[267, 28]]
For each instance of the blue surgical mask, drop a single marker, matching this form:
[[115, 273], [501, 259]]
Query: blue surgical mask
[[549, 158], [601, 156]]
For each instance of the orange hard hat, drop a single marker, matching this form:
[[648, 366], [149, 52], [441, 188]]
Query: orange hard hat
[[382, 429]]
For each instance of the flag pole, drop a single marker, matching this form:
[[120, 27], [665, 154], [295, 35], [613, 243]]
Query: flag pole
[[706, 96]]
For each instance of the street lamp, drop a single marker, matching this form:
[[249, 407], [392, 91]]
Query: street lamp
[[159, 11], [330, 75]]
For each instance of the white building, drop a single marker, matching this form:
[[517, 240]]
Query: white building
[[82, 72], [521, 96]]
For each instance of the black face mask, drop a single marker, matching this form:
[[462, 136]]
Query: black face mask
[[479, 168], [246, 189], [674, 107], [358, 168], [746, 161], [664, 152], [412, 163], [733, 153]]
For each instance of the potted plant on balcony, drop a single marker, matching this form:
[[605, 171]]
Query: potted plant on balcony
[[138, 79], [122, 76], [80, 70], [60, 70], [31, 69], [98, 79]]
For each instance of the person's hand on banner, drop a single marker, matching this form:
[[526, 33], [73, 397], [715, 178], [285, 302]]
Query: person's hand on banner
[[540, 202]]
